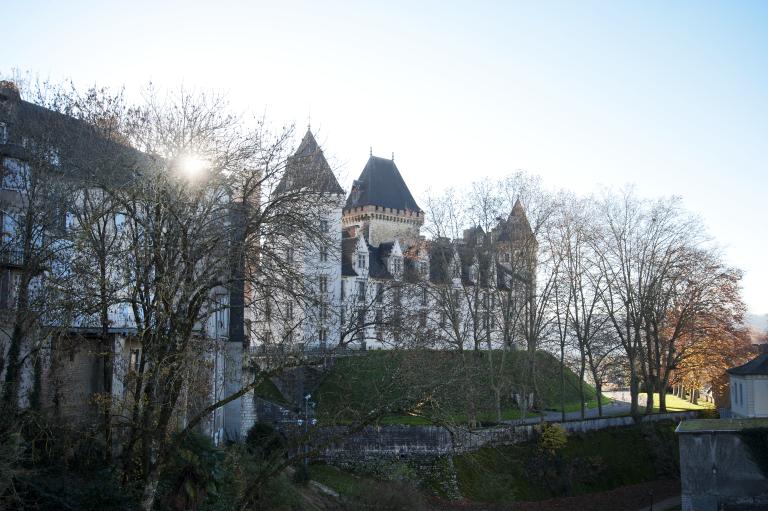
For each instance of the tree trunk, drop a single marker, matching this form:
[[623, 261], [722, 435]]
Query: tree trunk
[[149, 491], [562, 380], [648, 397], [582, 400], [633, 391], [108, 356], [599, 392]]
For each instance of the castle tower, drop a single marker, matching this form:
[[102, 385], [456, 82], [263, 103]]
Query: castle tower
[[381, 206], [319, 264]]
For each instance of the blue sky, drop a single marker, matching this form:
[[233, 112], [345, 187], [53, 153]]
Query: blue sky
[[669, 96]]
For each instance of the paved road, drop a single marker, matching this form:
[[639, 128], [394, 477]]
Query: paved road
[[619, 405]]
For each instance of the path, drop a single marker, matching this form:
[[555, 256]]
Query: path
[[619, 405]]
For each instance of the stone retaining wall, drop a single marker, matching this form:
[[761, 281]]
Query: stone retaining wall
[[402, 441]]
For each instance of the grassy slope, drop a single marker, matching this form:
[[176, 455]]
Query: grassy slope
[[267, 390], [420, 387], [600, 460], [675, 404]]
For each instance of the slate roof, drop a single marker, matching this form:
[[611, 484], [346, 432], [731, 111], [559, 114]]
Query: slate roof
[[308, 168], [440, 260], [348, 246], [376, 267], [84, 151], [517, 227], [380, 184], [756, 366]]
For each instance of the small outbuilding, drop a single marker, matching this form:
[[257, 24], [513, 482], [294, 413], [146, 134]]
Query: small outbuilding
[[749, 388]]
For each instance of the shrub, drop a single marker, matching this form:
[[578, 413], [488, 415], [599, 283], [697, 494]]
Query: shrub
[[301, 474], [263, 441], [192, 473], [552, 438]]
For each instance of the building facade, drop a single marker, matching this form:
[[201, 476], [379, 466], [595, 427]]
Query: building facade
[[377, 282], [749, 388]]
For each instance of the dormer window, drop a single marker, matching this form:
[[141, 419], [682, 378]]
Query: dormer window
[[397, 265], [423, 268], [361, 261]]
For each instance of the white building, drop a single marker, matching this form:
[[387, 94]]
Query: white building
[[377, 282], [749, 388]]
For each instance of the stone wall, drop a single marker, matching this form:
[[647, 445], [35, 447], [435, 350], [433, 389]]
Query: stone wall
[[396, 440], [716, 473]]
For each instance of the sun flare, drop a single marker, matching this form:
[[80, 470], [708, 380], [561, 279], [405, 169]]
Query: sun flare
[[192, 166]]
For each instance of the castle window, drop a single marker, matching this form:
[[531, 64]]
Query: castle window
[[397, 265], [323, 254], [343, 290], [423, 268], [323, 283], [379, 293], [3, 133], [15, 174], [360, 325], [322, 336], [323, 225], [361, 291], [133, 361], [289, 255], [289, 311], [323, 311], [424, 296]]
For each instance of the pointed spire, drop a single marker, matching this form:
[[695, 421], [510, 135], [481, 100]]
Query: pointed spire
[[517, 209], [370, 153], [308, 167], [393, 156]]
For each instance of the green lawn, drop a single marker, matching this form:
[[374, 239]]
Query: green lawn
[[267, 390], [343, 483], [675, 404], [426, 387]]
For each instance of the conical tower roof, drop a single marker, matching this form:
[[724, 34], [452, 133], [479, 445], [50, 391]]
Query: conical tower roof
[[308, 168], [380, 184], [517, 227]]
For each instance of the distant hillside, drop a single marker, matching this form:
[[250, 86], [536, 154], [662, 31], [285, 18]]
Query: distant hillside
[[438, 386], [757, 323]]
